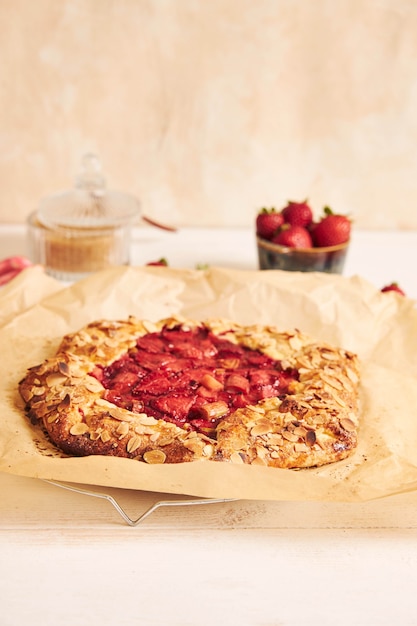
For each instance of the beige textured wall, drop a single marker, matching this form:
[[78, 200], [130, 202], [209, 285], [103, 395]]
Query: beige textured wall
[[209, 109]]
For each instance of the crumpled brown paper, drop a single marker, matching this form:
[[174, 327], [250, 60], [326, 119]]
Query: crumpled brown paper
[[380, 328]]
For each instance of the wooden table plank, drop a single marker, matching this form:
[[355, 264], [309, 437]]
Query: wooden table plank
[[275, 577]]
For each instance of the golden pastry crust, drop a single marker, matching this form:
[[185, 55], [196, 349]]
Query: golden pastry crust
[[314, 423]]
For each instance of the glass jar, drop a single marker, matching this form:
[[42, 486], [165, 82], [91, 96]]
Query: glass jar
[[85, 229]]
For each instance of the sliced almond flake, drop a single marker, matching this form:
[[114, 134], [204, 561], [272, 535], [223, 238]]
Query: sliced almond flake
[[301, 447], [311, 438], [275, 454], [330, 356], [146, 420], [208, 450], [269, 404], [333, 382], [63, 368], [289, 436], [347, 424], [104, 403], [317, 385], [254, 411], [108, 324], [38, 391], [261, 451], [122, 429], [110, 343], [147, 430], [300, 431], [77, 372], [295, 342], [345, 381], [92, 384], [77, 398], [79, 429], [52, 418], [105, 436], [149, 326], [352, 375], [274, 415], [304, 363], [307, 407], [85, 337], [235, 457], [40, 370], [315, 360], [261, 428], [165, 439], [275, 440], [55, 379], [26, 394], [338, 399], [154, 437], [65, 403], [259, 461], [120, 414], [195, 445], [154, 457], [307, 399], [133, 443], [43, 410]]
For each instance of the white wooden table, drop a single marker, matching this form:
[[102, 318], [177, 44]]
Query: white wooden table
[[70, 558]]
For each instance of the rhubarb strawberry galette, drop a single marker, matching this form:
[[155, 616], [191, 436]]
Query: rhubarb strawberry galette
[[181, 390]]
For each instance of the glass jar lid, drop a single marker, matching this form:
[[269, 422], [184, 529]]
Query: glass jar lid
[[89, 205]]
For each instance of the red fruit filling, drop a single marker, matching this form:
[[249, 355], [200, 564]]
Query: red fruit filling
[[191, 377]]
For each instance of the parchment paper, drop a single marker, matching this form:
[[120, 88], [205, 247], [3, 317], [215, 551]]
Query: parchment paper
[[380, 328]]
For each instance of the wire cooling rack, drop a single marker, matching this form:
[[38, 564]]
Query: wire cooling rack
[[157, 505]]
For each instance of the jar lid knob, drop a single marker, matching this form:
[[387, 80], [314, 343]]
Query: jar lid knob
[[91, 175]]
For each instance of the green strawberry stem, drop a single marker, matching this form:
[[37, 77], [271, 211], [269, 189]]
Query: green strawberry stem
[[265, 210]]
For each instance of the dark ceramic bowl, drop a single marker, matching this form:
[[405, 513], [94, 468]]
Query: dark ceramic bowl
[[272, 256]]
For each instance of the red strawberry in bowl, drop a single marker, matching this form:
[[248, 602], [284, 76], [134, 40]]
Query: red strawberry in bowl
[[293, 237], [311, 245], [331, 230], [298, 213], [393, 287], [267, 222]]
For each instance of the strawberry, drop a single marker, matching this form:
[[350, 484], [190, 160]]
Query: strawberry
[[393, 287], [332, 229], [293, 237], [267, 222], [161, 262], [11, 267], [298, 213], [6, 277]]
